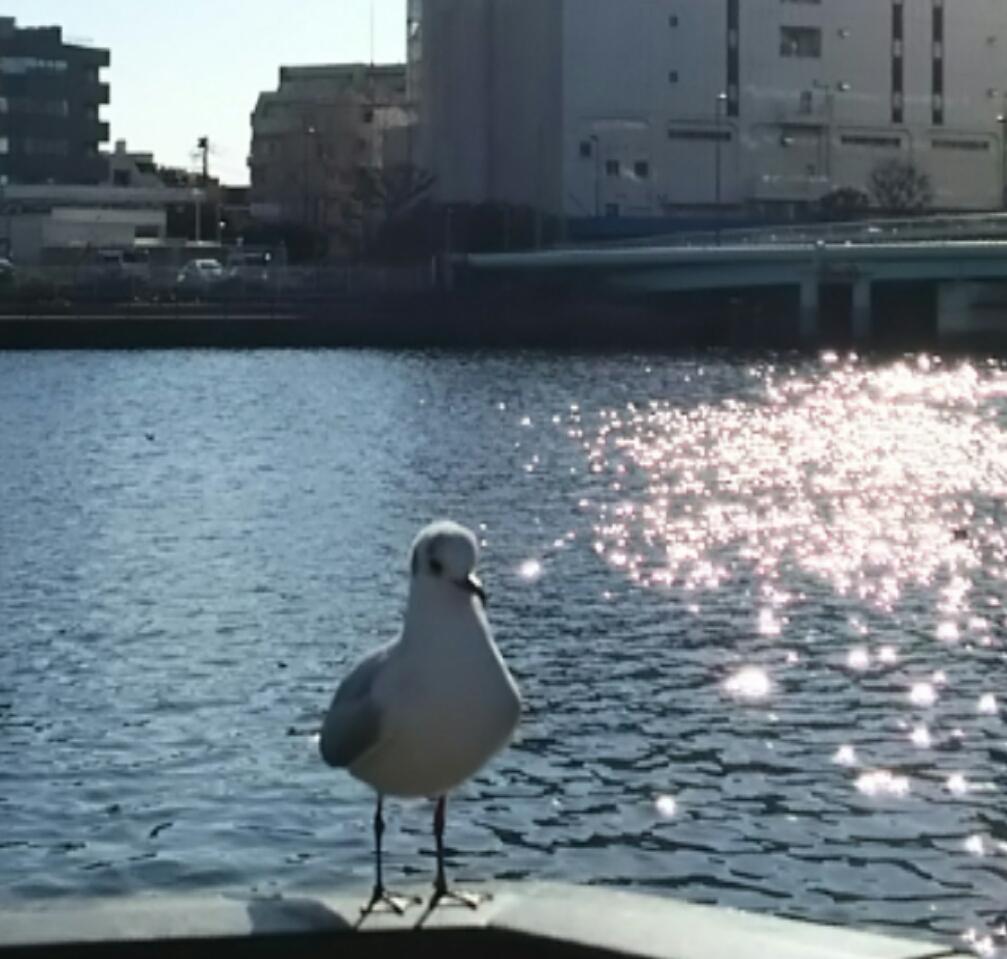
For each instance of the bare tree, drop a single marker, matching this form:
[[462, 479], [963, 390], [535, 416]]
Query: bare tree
[[379, 197], [899, 186]]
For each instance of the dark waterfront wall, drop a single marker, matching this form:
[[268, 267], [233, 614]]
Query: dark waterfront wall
[[545, 318]]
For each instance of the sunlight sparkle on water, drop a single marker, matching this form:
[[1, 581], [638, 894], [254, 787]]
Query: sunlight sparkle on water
[[858, 659], [866, 488], [855, 475], [530, 569], [666, 806], [883, 783], [981, 945], [957, 784], [923, 694], [920, 737], [769, 624], [845, 756], [948, 632], [975, 846], [749, 683], [988, 705]]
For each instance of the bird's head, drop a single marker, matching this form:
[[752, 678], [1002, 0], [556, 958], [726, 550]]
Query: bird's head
[[444, 556]]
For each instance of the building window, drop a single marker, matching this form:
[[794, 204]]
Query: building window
[[642, 170], [17, 65], [946, 143], [612, 167], [34, 106], [673, 21], [586, 149], [673, 76], [871, 140], [4, 146], [801, 42], [38, 147], [612, 209], [690, 133]]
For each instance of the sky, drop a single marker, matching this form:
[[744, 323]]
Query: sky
[[188, 68]]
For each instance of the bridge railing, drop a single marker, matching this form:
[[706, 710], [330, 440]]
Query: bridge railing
[[925, 229]]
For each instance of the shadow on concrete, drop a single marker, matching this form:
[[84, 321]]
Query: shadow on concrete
[[273, 916]]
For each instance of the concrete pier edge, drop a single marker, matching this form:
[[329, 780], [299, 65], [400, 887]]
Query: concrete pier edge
[[526, 919]]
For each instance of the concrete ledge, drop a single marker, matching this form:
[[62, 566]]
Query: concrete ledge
[[530, 920]]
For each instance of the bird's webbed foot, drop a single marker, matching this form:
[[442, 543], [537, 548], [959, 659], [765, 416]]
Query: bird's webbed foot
[[445, 895], [383, 901]]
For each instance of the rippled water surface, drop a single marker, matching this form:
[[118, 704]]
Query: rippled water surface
[[755, 608]]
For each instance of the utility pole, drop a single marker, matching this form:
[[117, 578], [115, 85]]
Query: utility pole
[[596, 143], [717, 133], [203, 147], [307, 199]]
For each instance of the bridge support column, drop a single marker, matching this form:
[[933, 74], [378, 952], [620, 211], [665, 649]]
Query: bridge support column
[[809, 309], [861, 310]]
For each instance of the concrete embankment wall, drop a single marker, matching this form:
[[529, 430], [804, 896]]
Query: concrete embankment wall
[[461, 320], [906, 316]]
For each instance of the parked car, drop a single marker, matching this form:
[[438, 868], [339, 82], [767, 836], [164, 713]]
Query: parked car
[[199, 277]]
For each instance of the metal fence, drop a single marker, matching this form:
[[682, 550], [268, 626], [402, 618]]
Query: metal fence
[[31, 289]]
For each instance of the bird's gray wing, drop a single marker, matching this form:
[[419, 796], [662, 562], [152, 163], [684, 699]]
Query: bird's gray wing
[[352, 725]]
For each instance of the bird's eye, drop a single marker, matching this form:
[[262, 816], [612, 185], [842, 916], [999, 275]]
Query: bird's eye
[[436, 566]]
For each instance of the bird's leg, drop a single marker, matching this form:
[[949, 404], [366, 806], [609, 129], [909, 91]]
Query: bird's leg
[[381, 898], [441, 890]]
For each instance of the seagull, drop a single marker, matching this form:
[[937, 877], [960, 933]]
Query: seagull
[[421, 715]]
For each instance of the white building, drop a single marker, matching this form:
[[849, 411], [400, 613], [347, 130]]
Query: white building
[[646, 107], [46, 222]]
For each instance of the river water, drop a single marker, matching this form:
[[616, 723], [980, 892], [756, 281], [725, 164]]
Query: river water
[[755, 606]]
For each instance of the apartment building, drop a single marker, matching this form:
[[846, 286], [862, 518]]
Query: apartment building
[[311, 136], [648, 107], [51, 94]]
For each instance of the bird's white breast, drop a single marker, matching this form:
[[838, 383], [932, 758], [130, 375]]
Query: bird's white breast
[[448, 706]]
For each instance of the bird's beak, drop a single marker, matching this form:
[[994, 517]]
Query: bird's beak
[[472, 585]]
